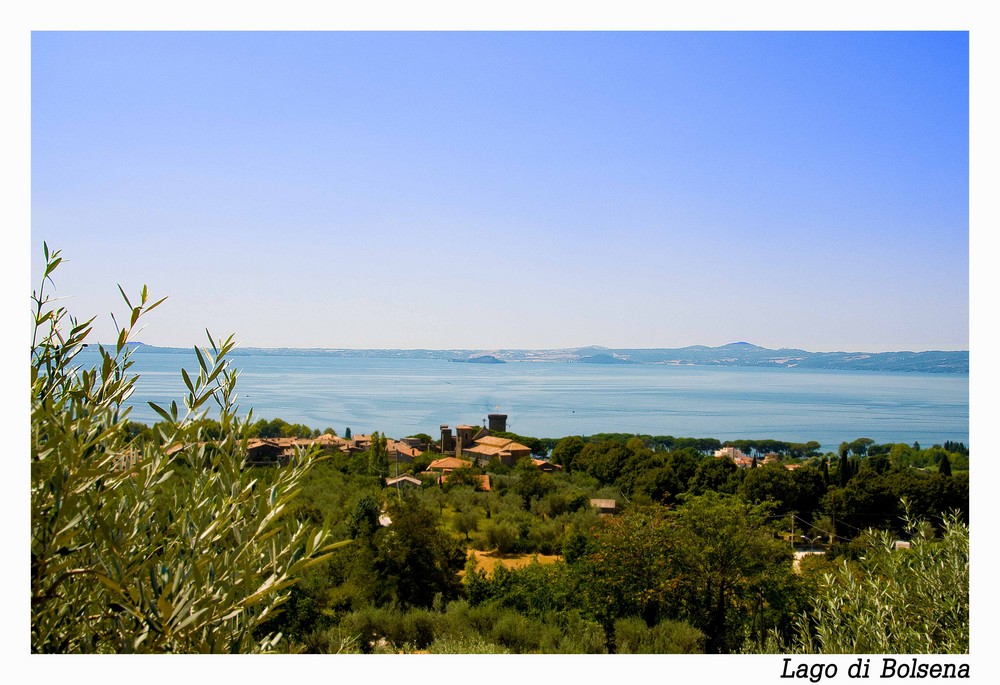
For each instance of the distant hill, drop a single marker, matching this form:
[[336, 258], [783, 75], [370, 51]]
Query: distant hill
[[604, 359], [733, 354], [484, 359]]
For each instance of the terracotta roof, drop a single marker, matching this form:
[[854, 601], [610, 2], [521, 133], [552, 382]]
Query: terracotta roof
[[404, 449], [493, 440], [327, 439], [449, 463], [485, 450], [259, 442], [500, 443]]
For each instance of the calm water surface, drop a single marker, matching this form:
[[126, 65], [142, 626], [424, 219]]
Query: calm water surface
[[547, 399]]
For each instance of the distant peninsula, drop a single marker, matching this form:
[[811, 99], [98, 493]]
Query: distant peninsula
[[484, 359], [733, 354]]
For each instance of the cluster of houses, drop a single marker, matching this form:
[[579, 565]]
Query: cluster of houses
[[271, 451], [744, 461], [472, 446], [468, 446]]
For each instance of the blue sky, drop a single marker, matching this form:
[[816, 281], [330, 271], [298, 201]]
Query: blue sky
[[488, 190]]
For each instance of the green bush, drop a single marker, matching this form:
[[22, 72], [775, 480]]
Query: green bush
[[465, 644], [516, 632], [504, 536], [902, 601], [389, 629], [545, 537], [571, 633], [332, 640], [633, 636], [131, 550]]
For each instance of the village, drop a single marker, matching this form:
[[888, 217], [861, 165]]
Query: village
[[463, 448]]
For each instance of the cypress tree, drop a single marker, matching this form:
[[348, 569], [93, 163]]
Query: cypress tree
[[378, 456], [944, 467], [845, 468]]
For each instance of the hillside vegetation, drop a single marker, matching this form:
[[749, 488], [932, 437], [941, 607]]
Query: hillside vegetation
[[162, 539]]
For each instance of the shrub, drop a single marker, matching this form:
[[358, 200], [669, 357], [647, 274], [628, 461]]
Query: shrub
[[903, 601], [389, 629], [504, 536], [516, 632], [465, 644], [633, 636], [130, 550], [545, 537], [574, 635]]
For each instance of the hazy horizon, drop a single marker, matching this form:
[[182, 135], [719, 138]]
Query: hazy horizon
[[535, 348]]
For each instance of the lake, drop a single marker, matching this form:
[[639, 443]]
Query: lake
[[400, 397]]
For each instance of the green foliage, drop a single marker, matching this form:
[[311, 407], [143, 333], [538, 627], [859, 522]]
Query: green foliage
[[844, 465], [466, 522], [128, 552], [416, 560], [666, 637], [605, 460], [423, 460], [628, 572], [565, 451], [536, 590], [860, 446], [325, 498], [727, 560], [388, 629], [496, 629], [894, 601], [135, 551], [465, 476], [278, 428], [378, 457], [715, 475], [576, 545], [873, 500], [466, 644], [504, 535], [364, 518], [770, 483], [531, 484]]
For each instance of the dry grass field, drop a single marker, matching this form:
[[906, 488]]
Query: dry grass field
[[487, 561]]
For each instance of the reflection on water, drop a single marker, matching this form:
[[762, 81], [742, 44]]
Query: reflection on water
[[404, 396]]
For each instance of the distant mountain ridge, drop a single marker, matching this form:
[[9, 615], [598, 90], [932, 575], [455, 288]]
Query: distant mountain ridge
[[733, 354]]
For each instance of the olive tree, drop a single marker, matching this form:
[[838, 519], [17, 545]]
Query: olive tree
[[134, 548], [894, 601]]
